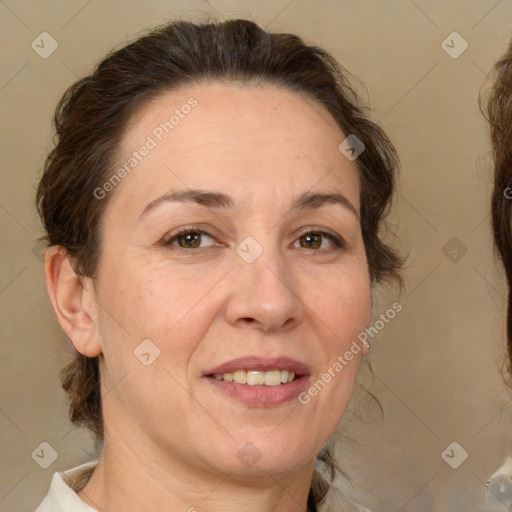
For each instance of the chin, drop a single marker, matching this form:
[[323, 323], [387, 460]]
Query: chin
[[264, 454]]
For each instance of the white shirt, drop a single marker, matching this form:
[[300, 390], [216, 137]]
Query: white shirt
[[62, 498]]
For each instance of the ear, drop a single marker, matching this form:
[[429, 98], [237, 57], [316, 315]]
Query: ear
[[73, 301]]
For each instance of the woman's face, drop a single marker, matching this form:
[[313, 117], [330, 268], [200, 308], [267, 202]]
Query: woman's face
[[246, 289]]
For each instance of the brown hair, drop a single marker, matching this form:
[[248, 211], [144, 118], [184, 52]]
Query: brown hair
[[93, 112], [499, 111]]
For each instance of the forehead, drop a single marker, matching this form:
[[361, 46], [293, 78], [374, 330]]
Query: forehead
[[248, 140]]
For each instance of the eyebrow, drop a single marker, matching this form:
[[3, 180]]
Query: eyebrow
[[213, 199]]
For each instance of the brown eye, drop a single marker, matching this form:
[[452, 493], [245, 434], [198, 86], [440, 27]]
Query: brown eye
[[187, 239], [313, 240]]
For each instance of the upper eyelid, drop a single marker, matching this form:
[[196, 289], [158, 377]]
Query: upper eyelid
[[186, 230]]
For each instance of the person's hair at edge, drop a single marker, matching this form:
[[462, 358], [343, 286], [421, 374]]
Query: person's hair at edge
[[499, 112], [93, 112]]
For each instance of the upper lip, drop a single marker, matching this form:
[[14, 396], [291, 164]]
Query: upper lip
[[261, 364]]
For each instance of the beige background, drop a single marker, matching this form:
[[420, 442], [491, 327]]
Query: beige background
[[436, 364]]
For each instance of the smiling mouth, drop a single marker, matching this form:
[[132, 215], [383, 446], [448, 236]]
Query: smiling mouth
[[257, 377]]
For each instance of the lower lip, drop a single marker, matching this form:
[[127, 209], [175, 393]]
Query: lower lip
[[261, 396]]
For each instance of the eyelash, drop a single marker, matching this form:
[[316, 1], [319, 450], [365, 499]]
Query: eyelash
[[338, 242]]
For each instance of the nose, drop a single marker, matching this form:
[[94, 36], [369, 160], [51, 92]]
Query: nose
[[264, 294]]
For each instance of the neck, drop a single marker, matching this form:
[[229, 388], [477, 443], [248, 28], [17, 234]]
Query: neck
[[134, 480]]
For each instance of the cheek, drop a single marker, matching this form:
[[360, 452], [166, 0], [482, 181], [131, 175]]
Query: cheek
[[148, 300], [344, 304], [161, 304], [344, 312]]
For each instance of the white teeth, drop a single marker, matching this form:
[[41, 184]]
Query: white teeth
[[273, 378], [240, 377], [255, 378], [258, 377]]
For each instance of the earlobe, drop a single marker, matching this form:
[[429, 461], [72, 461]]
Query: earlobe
[[72, 300]]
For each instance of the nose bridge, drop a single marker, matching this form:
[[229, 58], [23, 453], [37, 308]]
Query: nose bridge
[[264, 291]]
